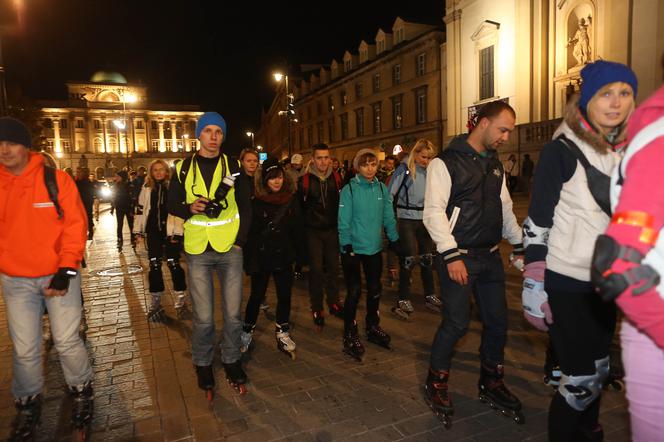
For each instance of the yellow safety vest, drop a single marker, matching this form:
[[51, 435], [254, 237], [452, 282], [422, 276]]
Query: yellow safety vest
[[199, 230]]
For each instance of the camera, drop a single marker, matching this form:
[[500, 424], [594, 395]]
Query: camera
[[213, 208]]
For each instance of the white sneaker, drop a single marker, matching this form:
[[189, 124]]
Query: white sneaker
[[406, 306], [180, 300]]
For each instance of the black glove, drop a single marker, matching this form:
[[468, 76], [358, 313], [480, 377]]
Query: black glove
[[348, 249], [60, 280], [395, 246]]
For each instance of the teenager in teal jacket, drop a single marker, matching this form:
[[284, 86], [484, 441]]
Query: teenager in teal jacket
[[365, 208]]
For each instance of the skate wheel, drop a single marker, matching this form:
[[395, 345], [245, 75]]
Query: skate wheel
[[617, 385], [447, 422], [81, 435], [242, 389], [209, 395], [519, 418]]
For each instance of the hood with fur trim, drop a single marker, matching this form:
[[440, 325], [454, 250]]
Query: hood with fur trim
[[583, 129], [261, 190]]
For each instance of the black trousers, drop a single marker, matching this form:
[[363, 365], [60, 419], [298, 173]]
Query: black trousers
[[122, 212], [158, 245], [581, 333], [373, 266], [415, 240], [486, 283], [283, 281], [323, 266]]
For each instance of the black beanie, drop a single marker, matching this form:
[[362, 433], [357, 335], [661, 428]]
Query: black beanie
[[271, 168], [123, 174], [14, 131]]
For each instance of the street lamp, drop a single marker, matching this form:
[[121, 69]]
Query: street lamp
[[127, 97], [251, 134], [259, 147], [290, 111]]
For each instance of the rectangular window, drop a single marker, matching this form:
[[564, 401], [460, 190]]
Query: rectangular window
[[376, 82], [168, 144], [154, 144], [154, 125], [344, 126], [399, 35], [343, 97], [139, 124], [359, 122], [381, 45], [421, 105], [80, 124], [330, 130], [192, 145], [330, 103], [319, 138], [421, 64], [396, 111], [97, 124], [486, 73], [396, 74], [63, 124], [359, 90], [65, 146], [377, 110], [49, 143]]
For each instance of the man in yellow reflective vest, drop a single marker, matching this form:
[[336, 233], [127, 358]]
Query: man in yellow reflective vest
[[217, 211]]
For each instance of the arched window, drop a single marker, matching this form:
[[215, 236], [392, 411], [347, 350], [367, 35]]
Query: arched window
[[98, 145]]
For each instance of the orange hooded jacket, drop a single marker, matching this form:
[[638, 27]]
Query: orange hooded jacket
[[33, 241]]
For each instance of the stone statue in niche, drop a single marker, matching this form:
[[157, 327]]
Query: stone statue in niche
[[580, 43]]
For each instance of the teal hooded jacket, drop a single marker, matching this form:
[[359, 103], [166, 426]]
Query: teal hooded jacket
[[364, 209]]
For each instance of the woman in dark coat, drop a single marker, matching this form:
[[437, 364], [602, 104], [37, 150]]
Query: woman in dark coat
[[273, 244]]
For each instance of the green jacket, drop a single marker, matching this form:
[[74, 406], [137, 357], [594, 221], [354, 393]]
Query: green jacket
[[364, 209]]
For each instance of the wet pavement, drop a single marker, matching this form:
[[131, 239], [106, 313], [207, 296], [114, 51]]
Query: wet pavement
[[146, 388]]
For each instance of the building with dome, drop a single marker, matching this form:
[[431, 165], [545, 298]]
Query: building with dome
[[107, 123]]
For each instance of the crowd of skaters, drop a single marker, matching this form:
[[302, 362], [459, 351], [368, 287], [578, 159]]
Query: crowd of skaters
[[589, 243]]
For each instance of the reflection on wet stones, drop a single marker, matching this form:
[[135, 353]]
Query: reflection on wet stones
[[118, 271]]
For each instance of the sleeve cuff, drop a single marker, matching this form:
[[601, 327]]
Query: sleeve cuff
[[451, 255], [518, 249]]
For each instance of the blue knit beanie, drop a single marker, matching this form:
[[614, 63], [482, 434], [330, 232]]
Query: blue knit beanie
[[600, 73], [211, 118]]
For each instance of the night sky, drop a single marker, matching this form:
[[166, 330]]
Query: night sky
[[216, 54]]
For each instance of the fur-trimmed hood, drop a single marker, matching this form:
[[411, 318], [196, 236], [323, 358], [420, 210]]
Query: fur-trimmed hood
[[261, 190], [585, 131]]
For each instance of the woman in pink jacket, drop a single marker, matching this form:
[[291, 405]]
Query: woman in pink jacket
[[628, 263]]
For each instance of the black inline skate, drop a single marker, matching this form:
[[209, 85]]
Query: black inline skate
[[236, 376], [337, 310], [319, 320], [28, 413], [552, 371], [352, 345], [284, 341], [205, 375], [377, 335], [156, 313], [82, 409], [493, 391], [438, 396]]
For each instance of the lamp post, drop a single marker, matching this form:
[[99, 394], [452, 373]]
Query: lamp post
[[290, 111], [251, 134], [127, 97]]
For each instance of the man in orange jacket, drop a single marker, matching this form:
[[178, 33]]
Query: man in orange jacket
[[41, 248]]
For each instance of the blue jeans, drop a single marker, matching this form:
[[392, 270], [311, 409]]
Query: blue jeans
[[228, 267], [486, 282], [25, 303]]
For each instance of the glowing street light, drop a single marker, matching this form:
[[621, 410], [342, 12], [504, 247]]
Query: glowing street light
[[251, 134], [290, 112]]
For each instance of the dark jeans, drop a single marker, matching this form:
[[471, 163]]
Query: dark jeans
[[283, 281], [415, 240], [157, 245], [91, 224], [323, 266], [373, 265], [581, 333], [486, 282], [120, 213]]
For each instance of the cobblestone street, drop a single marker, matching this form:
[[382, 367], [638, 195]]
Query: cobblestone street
[[146, 388]]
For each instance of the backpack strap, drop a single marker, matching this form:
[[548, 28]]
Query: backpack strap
[[571, 145], [184, 170], [52, 189], [305, 186]]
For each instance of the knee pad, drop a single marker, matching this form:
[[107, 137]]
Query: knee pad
[[581, 391], [173, 263], [155, 264], [426, 260], [408, 262]]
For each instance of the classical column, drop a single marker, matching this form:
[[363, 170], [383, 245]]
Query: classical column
[[174, 136], [162, 145], [56, 135], [455, 121]]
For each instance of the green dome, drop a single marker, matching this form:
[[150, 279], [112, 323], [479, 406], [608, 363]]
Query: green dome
[[108, 77]]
